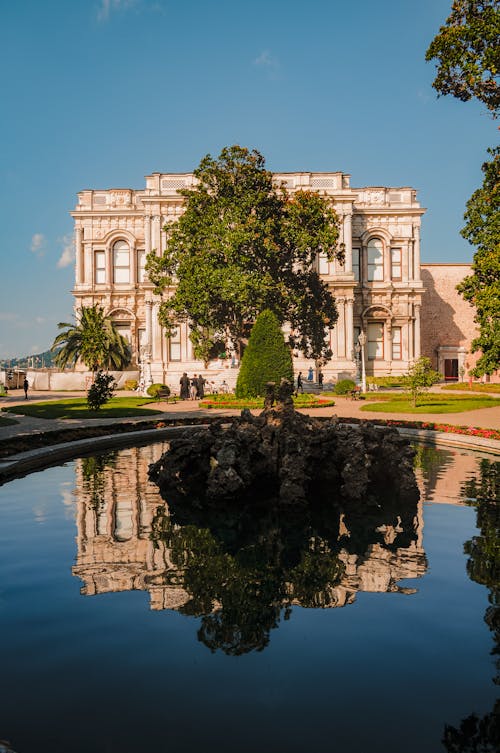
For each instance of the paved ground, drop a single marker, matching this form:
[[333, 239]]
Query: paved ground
[[486, 418]]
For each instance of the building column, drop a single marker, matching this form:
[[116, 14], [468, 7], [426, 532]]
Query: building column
[[417, 330], [155, 234], [79, 256], [416, 252], [341, 329], [163, 236], [88, 264], [409, 338], [407, 262], [147, 233], [149, 323], [348, 242], [349, 326], [109, 266], [133, 263]]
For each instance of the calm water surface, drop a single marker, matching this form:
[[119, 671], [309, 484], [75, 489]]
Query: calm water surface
[[124, 629]]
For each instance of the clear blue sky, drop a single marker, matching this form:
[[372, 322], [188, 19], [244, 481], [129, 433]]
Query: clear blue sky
[[99, 93]]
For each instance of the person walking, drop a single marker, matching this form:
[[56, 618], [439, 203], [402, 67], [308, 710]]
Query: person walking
[[25, 388], [300, 386], [194, 388], [201, 387], [320, 379], [184, 382]]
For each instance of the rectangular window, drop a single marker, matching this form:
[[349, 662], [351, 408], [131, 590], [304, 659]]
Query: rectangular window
[[323, 264], [124, 331], [396, 263], [396, 344], [174, 345], [100, 267], [122, 265], [375, 341], [141, 264], [375, 263], [355, 263]]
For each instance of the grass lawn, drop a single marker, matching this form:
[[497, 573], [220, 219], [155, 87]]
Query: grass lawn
[[430, 403], [118, 407], [231, 401], [475, 387]]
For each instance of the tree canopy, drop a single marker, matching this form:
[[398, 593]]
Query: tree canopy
[[93, 340], [482, 288], [241, 246], [467, 50]]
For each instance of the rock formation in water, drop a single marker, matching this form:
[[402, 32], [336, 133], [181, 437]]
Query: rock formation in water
[[286, 456]]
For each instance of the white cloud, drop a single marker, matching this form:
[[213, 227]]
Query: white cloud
[[38, 244], [8, 316], [40, 319], [109, 6], [68, 253], [267, 62], [264, 59]]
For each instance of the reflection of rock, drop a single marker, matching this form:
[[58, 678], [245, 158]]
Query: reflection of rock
[[286, 455]]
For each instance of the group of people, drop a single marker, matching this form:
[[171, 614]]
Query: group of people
[[195, 388], [310, 377]]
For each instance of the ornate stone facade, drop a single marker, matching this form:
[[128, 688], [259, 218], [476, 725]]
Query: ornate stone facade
[[378, 288]]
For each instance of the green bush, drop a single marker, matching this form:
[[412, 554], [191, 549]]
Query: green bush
[[344, 386], [100, 391], [130, 384], [3, 390], [266, 359], [154, 389]]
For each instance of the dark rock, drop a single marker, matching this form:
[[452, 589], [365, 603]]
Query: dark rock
[[282, 454]]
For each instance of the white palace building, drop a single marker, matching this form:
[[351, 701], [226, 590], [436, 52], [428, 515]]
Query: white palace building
[[378, 289]]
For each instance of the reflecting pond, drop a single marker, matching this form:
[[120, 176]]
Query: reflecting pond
[[129, 625]]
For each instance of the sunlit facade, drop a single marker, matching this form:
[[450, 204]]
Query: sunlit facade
[[378, 288]]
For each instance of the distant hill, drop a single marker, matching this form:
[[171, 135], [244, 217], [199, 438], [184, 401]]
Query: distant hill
[[37, 361]]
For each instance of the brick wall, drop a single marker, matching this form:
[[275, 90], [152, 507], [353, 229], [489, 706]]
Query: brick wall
[[446, 319]]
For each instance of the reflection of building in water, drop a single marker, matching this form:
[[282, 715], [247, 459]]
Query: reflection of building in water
[[116, 505]]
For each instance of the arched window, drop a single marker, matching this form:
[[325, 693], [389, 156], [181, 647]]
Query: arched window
[[375, 259], [121, 262]]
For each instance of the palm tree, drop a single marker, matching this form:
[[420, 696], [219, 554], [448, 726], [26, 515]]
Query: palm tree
[[93, 340]]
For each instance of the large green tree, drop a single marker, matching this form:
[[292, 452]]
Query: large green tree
[[482, 287], [243, 245], [467, 51], [93, 339]]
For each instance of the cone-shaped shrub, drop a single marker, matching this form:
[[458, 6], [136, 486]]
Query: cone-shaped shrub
[[266, 359]]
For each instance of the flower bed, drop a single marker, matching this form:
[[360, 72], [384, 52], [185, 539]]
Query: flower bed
[[471, 431]]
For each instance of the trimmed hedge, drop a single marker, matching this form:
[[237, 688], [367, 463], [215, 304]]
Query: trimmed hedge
[[154, 389], [266, 358], [344, 386]]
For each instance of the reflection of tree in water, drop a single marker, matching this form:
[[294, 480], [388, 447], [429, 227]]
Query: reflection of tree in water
[[243, 571], [482, 735], [432, 462], [94, 477]]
